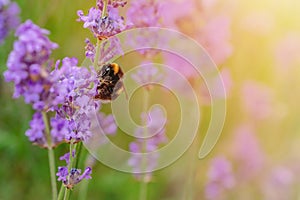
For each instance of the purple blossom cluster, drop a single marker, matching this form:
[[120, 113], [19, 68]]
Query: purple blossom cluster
[[36, 132], [67, 90], [72, 178], [9, 18], [148, 140], [103, 26], [77, 86], [62, 88], [28, 65]]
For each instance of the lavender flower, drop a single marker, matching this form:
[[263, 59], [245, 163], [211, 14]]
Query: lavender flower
[[36, 134], [28, 65], [75, 176], [66, 157], [9, 18], [77, 87], [90, 49], [109, 49], [113, 3], [220, 179], [66, 90], [155, 129], [36, 131], [105, 27], [59, 129]]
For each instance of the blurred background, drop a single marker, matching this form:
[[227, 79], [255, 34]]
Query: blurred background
[[256, 46]]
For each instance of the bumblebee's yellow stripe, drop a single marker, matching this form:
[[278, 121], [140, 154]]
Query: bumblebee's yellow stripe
[[115, 67]]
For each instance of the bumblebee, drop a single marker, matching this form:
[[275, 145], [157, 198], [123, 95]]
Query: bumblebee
[[110, 84]]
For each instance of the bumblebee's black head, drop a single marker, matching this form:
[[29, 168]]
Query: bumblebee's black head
[[111, 70]]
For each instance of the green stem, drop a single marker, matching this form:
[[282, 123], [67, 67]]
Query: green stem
[[78, 153], [61, 192], [50, 157], [189, 186], [97, 55], [143, 190], [71, 163], [83, 190], [144, 184], [104, 10], [67, 193]]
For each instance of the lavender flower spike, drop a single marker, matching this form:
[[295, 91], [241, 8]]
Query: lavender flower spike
[[70, 179], [156, 127], [9, 18], [104, 27], [28, 65]]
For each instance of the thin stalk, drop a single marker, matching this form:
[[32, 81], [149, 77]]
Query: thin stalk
[[90, 161], [71, 163], [143, 190], [67, 193], [61, 192], [97, 55], [78, 153], [104, 9], [144, 183], [189, 186], [50, 156], [83, 190]]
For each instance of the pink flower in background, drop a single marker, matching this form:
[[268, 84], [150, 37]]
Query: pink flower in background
[[181, 65], [257, 100], [143, 13], [215, 36], [170, 13], [287, 51], [247, 153], [208, 27], [220, 179], [279, 184]]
